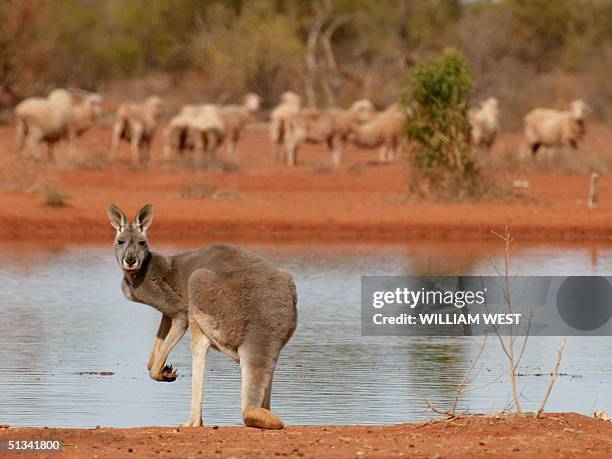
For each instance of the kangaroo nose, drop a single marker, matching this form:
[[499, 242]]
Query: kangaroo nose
[[131, 260]]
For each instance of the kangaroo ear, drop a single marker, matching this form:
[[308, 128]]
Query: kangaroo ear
[[144, 218], [117, 218]]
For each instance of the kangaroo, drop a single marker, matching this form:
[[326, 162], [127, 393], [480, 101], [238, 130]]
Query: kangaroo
[[232, 299]]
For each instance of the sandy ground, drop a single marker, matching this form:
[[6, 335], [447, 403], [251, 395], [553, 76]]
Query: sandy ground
[[364, 199], [555, 435]]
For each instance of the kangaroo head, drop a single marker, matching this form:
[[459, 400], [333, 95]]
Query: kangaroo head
[[131, 246]]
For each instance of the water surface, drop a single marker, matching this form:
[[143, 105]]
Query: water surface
[[62, 314]]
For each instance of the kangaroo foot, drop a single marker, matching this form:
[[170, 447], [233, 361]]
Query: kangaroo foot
[[193, 423], [261, 419], [168, 374]]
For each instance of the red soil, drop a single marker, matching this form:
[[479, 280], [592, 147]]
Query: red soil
[[363, 199], [554, 435]]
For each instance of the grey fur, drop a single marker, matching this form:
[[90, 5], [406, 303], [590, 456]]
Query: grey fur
[[233, 300]]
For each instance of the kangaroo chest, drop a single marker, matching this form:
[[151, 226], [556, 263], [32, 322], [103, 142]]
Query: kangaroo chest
[[158, 296]]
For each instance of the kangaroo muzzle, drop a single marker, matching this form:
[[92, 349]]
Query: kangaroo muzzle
[[130, 263]]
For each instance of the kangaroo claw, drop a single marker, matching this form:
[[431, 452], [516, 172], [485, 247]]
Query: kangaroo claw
[[168, 374]]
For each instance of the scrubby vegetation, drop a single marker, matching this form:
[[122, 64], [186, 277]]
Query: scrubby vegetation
[[526, 53], [437, 119]]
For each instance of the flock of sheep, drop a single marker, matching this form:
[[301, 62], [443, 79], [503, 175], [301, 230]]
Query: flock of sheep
[[202, 129]]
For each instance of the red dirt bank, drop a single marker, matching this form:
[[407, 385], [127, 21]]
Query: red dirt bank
[[361, 200], [556, 435]]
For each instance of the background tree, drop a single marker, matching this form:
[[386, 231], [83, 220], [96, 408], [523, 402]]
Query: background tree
[[526, 53]]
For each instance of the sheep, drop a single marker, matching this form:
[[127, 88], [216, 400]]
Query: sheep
[[330, 126], [485, 123], [137, 124], [235, 118], [54, 118], [290, 104], [176, 137], [383, 130], [206, 132], [550, 128]]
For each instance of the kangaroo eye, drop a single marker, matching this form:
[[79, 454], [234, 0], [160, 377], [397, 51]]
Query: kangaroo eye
[[120, 241], [142, 243]]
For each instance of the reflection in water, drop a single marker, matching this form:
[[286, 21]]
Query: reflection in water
[[62, 313]]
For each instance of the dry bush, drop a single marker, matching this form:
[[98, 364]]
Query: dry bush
[[53, 196]]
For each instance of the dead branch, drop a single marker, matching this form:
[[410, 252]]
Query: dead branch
[[508, 347], [553, 378], [331, 82], [323, 9]]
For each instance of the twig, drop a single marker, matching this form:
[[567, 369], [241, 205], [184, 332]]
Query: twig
[[553, 378]]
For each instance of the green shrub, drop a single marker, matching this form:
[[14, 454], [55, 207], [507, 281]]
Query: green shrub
[[437, 119]]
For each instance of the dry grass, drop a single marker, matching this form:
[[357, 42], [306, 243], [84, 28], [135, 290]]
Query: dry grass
[[206, 191], [563, 161], [53, 196]]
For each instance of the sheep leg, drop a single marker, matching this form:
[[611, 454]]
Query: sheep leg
[[71, 140], [117, 129], [212, 144], [232, 148], [198, 146], [382, 155], [137, 140], [336, 146], [168, 154], [51, 151], [33, 142], [291, 153], [20, 135]]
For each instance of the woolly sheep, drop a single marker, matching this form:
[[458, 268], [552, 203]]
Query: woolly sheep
[[383, 130], [485, 123], [54, 118], [555, 128], [235, 118], [206, 132], [290, 104], [329, 126], [137, 124], [176, 137]]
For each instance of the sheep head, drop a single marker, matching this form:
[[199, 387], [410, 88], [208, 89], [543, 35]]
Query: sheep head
[[291, 98], [94, 101], [252, 102], [579, 109], [363, 109], [491, 104], [154, 106]]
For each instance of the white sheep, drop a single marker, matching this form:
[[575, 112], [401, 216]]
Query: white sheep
[[290, 104], [54, 118], [235, 118], [330, 126], [556, 128], [176, 137], [137, 124], [485, 123], [383, 130], [206, 132]]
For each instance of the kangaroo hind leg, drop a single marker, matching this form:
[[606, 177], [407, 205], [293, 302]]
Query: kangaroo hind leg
[[199, 349], [257, 370]]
